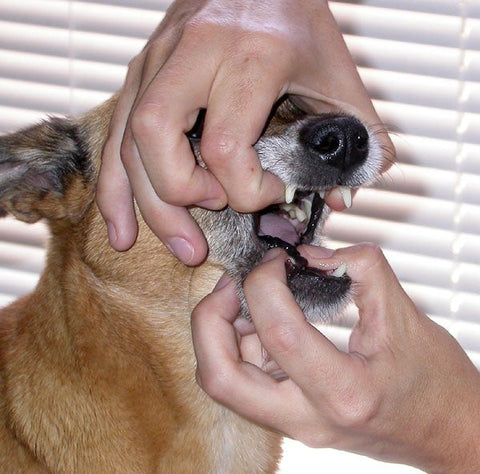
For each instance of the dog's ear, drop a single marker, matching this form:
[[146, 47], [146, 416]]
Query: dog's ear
[[45, 172]]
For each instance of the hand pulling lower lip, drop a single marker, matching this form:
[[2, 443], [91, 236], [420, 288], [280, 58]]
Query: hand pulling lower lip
[[296, 263]]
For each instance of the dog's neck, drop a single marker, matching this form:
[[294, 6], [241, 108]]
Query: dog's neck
[[116, 349]]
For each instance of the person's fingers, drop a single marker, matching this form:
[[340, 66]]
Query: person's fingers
[[115, 202], [303, 353], [182, 236], [240, 103], [366, 266], [377, 293], [222, 372], [159, 123], [114, 195]]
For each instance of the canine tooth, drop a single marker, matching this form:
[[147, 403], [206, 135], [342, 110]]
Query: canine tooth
[[346, 196], [307, 207], [340, 271], [289, 193], [322, 194]]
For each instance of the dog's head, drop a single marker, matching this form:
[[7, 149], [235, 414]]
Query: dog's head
[[50, 171], [311, 154]]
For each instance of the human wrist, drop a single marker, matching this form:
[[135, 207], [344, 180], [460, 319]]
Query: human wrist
[[456, 448]]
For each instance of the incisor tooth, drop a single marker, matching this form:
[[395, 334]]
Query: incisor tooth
[[300, 215], [340, 271], [289, 193], [346, 196]]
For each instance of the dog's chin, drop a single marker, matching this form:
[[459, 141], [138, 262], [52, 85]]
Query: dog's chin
[[320, 296]]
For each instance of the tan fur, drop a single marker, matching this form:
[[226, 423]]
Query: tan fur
[[97, 371]]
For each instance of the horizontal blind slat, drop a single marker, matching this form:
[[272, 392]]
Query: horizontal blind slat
[[115, 19], [398, 25], [69, 45], [56, 100], [401, 236], [442, 7]]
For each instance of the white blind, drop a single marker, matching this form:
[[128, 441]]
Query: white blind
[[420, 60]]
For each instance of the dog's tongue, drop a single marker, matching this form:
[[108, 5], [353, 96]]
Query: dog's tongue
[[278, 226]]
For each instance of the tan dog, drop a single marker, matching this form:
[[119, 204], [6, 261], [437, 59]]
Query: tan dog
[[97, 371]]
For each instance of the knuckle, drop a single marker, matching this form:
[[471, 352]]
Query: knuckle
[[216, 384], [281, 339], [202, 311], [218, 147], [368, 255], [355, 409], [126, 154], [370, 251], [195, 26], [260, 281], [146, 119], [315, 439], [136, 62], [245, 202]]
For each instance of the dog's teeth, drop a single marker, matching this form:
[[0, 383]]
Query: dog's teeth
[[346, 196], [322, 194], [307, 207], [287, 207], [300, 215], [289, 193], [340, 271]]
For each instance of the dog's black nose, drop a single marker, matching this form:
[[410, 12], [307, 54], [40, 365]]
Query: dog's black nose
[[341, 142]]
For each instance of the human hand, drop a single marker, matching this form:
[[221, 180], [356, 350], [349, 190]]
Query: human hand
[[235, 59], [404, 392]]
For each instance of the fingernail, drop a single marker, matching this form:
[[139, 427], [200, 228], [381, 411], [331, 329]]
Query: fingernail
[[273, 254], [213, 204], [224, 281], [112, 233], [318, 252], [181, 248]]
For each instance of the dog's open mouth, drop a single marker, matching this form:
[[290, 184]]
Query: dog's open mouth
[[291, 224]]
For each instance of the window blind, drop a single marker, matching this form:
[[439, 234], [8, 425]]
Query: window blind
[[420, 61]]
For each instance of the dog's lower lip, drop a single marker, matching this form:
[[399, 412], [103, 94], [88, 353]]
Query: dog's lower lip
[[296, 264], [284, 238]]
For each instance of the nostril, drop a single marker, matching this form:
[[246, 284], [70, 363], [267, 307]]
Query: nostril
[[327, 144], [360, 141], [341, 142]]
